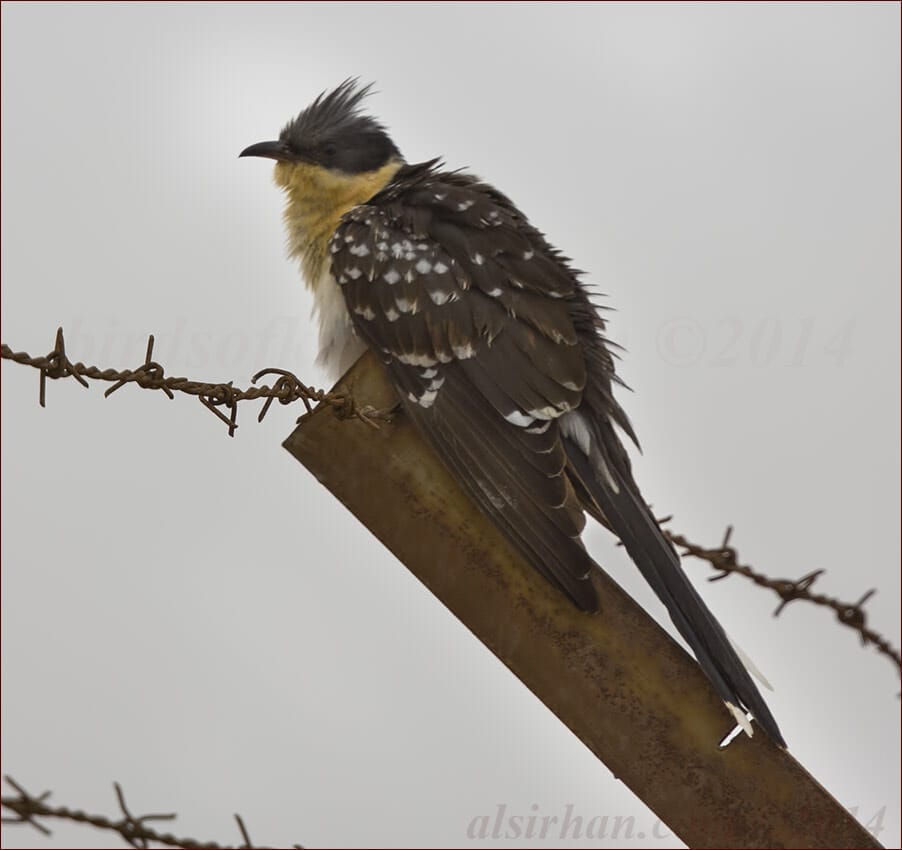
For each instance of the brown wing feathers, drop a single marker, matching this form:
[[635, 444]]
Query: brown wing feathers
[[500, 361], [482, 366]]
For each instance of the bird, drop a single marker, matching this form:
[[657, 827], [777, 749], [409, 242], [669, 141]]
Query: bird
[[497, 351]]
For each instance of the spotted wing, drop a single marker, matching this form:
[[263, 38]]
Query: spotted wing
[[500, 361], [473, 323]]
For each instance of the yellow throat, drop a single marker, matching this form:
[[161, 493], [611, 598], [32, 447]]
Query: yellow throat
[[317, 199]]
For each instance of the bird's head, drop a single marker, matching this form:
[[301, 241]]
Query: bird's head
[[331, 148]]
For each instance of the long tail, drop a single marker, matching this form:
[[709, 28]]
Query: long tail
[[619, 501]]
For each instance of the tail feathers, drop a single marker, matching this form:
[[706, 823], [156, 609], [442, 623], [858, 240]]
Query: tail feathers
[[750, 665], [633, 523]]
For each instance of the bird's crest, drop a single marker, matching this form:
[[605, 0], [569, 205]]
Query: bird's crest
[[333, 113]]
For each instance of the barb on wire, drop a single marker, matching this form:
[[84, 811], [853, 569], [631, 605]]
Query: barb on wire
[[286, 389], [725, 559], [26, 808]]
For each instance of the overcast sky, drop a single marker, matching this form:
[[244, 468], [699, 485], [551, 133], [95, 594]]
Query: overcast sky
[[197, 618]]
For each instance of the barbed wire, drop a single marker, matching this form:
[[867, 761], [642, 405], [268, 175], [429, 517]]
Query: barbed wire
[[26, 808], [725, 559], [289, 389]]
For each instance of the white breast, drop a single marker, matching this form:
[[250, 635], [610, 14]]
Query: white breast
[[339, 346]]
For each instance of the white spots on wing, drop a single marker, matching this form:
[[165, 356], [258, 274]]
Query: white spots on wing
[[427, 398], [440, 196], [575, 427], [391, 276], [366, 312], [495, 291], [423, 246], [439, 267], [440, 296], [516, 283], [555, 294], [353, 273], [429, 395], [569, 385], [410, 275], [335, 245], [360, 250], [349, 238], [423, 266], [407, 305], [342, 279], [528, 255], [494, 214], [551, 411], [463, 206], [520, 419], [428, 373], [478, 259], [539, 429], [392, 314], [404, 249], [382, 245], [426, 361], [464, 352]]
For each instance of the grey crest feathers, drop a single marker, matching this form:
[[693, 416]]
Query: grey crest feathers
[[334, 132]]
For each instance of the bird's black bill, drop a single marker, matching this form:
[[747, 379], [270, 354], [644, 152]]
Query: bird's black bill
[[268, 150]]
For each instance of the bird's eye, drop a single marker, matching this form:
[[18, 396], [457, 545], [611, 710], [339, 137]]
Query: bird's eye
[[329, 150]]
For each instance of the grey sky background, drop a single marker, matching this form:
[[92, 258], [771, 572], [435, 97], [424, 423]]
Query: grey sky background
[[197, 618]]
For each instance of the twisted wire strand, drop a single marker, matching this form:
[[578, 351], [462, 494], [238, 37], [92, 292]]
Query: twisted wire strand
[[725, 559], [287, 388], [134, 829]]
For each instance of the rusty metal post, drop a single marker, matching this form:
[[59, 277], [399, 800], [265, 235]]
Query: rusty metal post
[[628, 691]]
